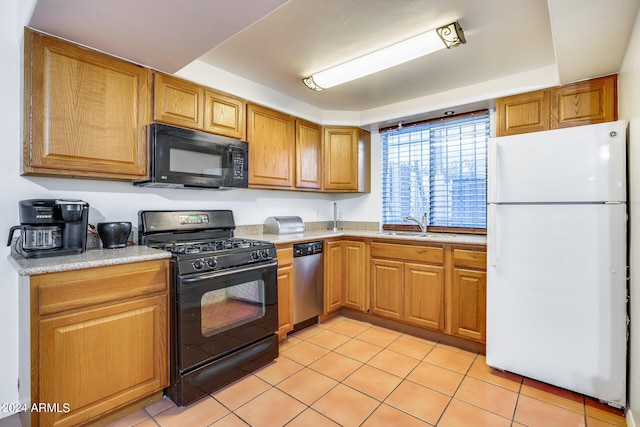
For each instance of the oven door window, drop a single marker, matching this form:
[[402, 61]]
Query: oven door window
[[227, 308]]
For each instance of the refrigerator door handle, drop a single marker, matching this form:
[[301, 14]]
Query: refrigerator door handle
[[493, 236], [493, 171]]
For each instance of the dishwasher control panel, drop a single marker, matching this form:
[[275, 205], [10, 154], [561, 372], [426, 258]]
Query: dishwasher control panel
[[304, 249]]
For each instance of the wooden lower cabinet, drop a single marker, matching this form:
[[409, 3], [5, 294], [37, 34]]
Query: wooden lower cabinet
[[468, 293], [408, 291], [355, 289], [424, 295], [333, 276], [345, 276], [438, 288], [387, 288], [99, 340], [468, 316], [285, 290]]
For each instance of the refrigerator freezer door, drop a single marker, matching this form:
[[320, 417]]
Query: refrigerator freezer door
[[579, 164], [556, 296]]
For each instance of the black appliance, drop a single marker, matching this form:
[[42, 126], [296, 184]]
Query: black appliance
[[186, 158], [51, 227], [224, 302]]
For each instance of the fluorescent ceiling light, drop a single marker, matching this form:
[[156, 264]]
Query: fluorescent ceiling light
[[444, 37]]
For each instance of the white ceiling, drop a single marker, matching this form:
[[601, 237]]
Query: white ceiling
[[277, 42]]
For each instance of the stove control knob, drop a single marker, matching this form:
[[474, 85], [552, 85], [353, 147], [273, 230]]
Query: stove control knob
[[198, 264], [212, 262], [254, 255], [264, 253]]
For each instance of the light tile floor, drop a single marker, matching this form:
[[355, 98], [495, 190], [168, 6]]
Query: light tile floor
[[350, 373]]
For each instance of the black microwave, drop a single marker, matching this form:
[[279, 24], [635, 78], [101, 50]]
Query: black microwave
[[186, 158]]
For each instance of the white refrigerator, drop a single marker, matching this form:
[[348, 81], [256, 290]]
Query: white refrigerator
[[557, 258]]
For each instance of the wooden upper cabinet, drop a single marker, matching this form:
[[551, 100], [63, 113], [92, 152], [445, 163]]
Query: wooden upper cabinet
[[346, 152], [308, 155], [178, 102], [183, 103], [271, 138], [527, 112], [224, 115], [86, 113], [582, 103]]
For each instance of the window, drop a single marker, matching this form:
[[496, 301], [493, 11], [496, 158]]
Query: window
[[438, 168]]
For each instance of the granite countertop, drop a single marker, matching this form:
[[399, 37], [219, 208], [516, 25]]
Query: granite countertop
[[89, 259], [466, 239], [135, 253]]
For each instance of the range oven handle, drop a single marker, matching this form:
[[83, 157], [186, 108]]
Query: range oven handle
[[220, 273]]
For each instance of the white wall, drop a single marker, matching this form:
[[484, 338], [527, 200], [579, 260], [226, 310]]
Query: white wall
[[629, 108], [10, 125]]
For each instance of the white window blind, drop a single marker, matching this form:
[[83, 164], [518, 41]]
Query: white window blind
[[438, 168]]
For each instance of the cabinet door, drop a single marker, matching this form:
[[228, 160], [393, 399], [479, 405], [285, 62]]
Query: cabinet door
[[523, 113], [424, 295], [178, 102], [583, 103], [355, 295], [224, 115], [99, 359], [271, 138], [86, 113], [285, 300], [468, 310], [333, 276], [308, 154], [340, 156], [387, 288]]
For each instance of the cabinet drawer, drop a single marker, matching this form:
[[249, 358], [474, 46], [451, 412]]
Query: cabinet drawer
[[430, 254], [82, 288], [285, 256], [470, 259]]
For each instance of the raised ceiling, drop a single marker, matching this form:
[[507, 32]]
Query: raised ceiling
[[276, 43]]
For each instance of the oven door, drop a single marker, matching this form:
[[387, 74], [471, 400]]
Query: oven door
[[223, 311]]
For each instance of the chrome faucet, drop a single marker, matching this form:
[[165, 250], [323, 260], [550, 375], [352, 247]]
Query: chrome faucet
[[422, 224]]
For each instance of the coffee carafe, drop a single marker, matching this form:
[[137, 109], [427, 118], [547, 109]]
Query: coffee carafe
[[51, 227]]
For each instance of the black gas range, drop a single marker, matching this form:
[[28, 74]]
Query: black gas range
[[201, 241], [224, 311]]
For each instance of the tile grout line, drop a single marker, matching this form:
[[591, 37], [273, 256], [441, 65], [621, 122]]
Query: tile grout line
[[436, 344]]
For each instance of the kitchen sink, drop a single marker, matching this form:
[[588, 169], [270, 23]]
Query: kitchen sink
[[407, 233], [415, 234]]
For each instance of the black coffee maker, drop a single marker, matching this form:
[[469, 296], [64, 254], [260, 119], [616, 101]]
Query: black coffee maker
[[51, 227]]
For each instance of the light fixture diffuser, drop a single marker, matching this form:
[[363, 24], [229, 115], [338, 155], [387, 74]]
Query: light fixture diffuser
[[448, 36]]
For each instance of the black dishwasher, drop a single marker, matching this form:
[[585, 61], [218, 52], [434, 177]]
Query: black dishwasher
[[307, 283]]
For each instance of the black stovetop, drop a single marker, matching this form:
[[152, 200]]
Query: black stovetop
[[201, 241]]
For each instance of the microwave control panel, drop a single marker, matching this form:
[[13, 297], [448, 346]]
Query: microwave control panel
[[238, 166]]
